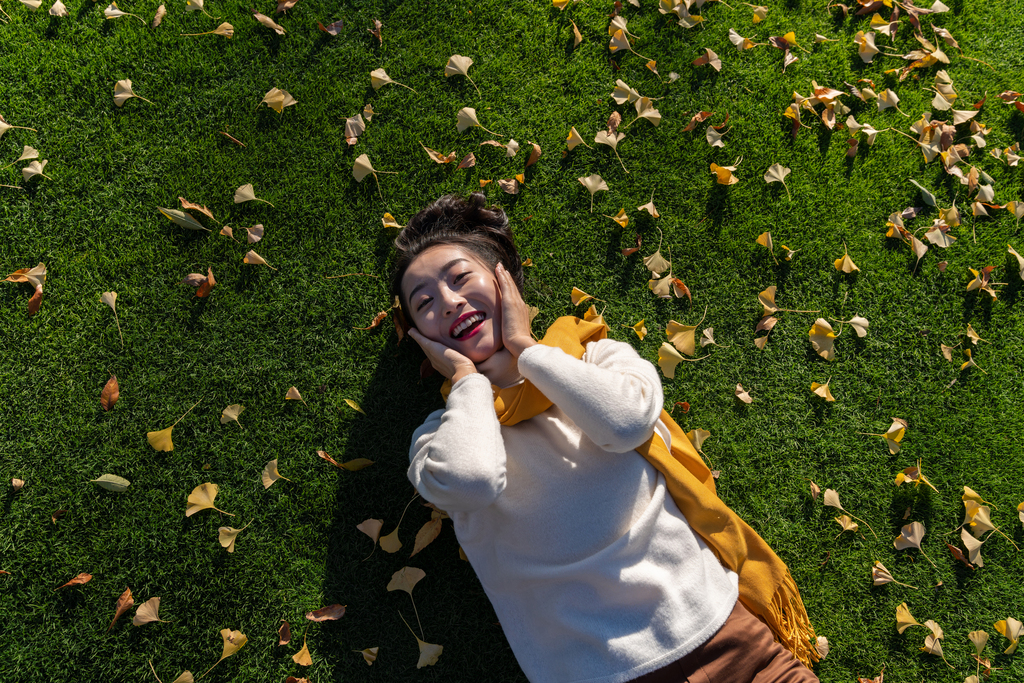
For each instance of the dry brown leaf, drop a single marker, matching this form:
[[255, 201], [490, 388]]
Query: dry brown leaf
[[111, 392], [427, 533], [284, 634], [269, 23], [77, 581], [329, 613], [124, 603]]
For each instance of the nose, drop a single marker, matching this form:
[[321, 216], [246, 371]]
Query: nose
[[451, 302]]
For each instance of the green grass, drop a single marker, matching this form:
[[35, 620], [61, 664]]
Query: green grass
[[97, 228]]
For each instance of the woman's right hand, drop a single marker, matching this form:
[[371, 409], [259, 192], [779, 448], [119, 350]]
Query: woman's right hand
[[445, 360]]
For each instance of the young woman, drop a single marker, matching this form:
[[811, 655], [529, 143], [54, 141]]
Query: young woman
[[591, 523]]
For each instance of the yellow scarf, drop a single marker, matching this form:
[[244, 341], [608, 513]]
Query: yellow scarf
[[766, 588]]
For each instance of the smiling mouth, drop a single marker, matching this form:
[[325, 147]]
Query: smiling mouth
[[468, 325]]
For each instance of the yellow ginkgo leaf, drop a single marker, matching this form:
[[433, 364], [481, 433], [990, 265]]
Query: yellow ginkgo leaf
[[682, 336], [578, 296], [845, 264], [278, 99], [846, 523], [822, 338], [697, 437], [969, 363], [724, 175], [593, 316], [369, 654], [270, 474], [161, 440], [574, 139], [1011, 629], [354, 406], [466, 118], [302, 657], [639, 328], [227, 535], [621, 218], [147, 612], [904, 619], [202, 498], [231, 413], [823, 391], [973, 546], [233, 642], [668, 359]]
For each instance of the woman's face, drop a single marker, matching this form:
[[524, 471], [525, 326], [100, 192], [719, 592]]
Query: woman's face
[[454, 299]]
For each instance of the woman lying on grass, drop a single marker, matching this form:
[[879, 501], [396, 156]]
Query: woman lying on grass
[[590, 520]]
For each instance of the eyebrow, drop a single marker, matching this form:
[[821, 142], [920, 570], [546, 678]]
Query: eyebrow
[[444, 269]]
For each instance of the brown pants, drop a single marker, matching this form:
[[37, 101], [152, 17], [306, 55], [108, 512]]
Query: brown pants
[[743, 651]]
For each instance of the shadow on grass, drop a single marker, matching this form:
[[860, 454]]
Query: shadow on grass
[[450, 602]]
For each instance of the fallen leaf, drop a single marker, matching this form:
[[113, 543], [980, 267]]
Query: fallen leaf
[[697, 437], [77, 581], [329, 613], [846, 523], [724, 175], [202, 498], [246, 193], [231, 413], [278, 99], [123, 92], [233, 642], [822, 338], [534, 155], [437, 157], [17, 484], [777, 173], [709, 57], [182, 219], [466, 118], [375, 31], [161, 440], [823, 391], [575, 139], [111, 392], [59, 10], [743, 395], [639, 328], [57, 515], [332, 29], [112, 482], [1011, 629], [668, 359], [577, 36], [147, 613], [270, 474], [815, 490], [124, 603], [371, 527], [354, 406], [369, 654], [904, 619], [459, 65], [35, 169], [269, 23], [845, 264], [405, 579]]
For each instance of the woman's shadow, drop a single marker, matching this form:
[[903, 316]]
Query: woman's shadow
[[450, 604]]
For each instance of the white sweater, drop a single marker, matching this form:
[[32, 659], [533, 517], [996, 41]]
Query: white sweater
[[593, 571]]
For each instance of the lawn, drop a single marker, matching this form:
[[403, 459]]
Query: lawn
[[95, 223]]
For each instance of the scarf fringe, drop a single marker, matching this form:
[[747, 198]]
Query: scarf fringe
[[788, 620]]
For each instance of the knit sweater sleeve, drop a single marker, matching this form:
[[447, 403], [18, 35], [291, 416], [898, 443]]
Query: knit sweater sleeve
[[612, 394], [457, 458]]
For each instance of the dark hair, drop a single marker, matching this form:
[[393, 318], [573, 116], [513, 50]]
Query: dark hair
[[483, 231]]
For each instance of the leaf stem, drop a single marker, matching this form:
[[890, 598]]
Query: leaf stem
[[416, 612], [620, 160], [119, 328], [1008, 539], [187, 412], [264, 201], [930, 560], [159, 681], [858, 518], [408, 88], [788, 196], [477, 91]]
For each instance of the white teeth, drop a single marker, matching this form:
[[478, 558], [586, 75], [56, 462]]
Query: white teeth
[[468, 322]]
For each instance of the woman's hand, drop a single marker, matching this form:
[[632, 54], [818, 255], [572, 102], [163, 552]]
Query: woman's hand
[[445, 360], [515, 314]]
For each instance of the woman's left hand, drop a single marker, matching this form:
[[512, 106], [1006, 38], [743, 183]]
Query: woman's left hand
[[515, 314]]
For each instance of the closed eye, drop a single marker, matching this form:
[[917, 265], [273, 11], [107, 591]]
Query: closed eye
[[461, 275], [424, 302]]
